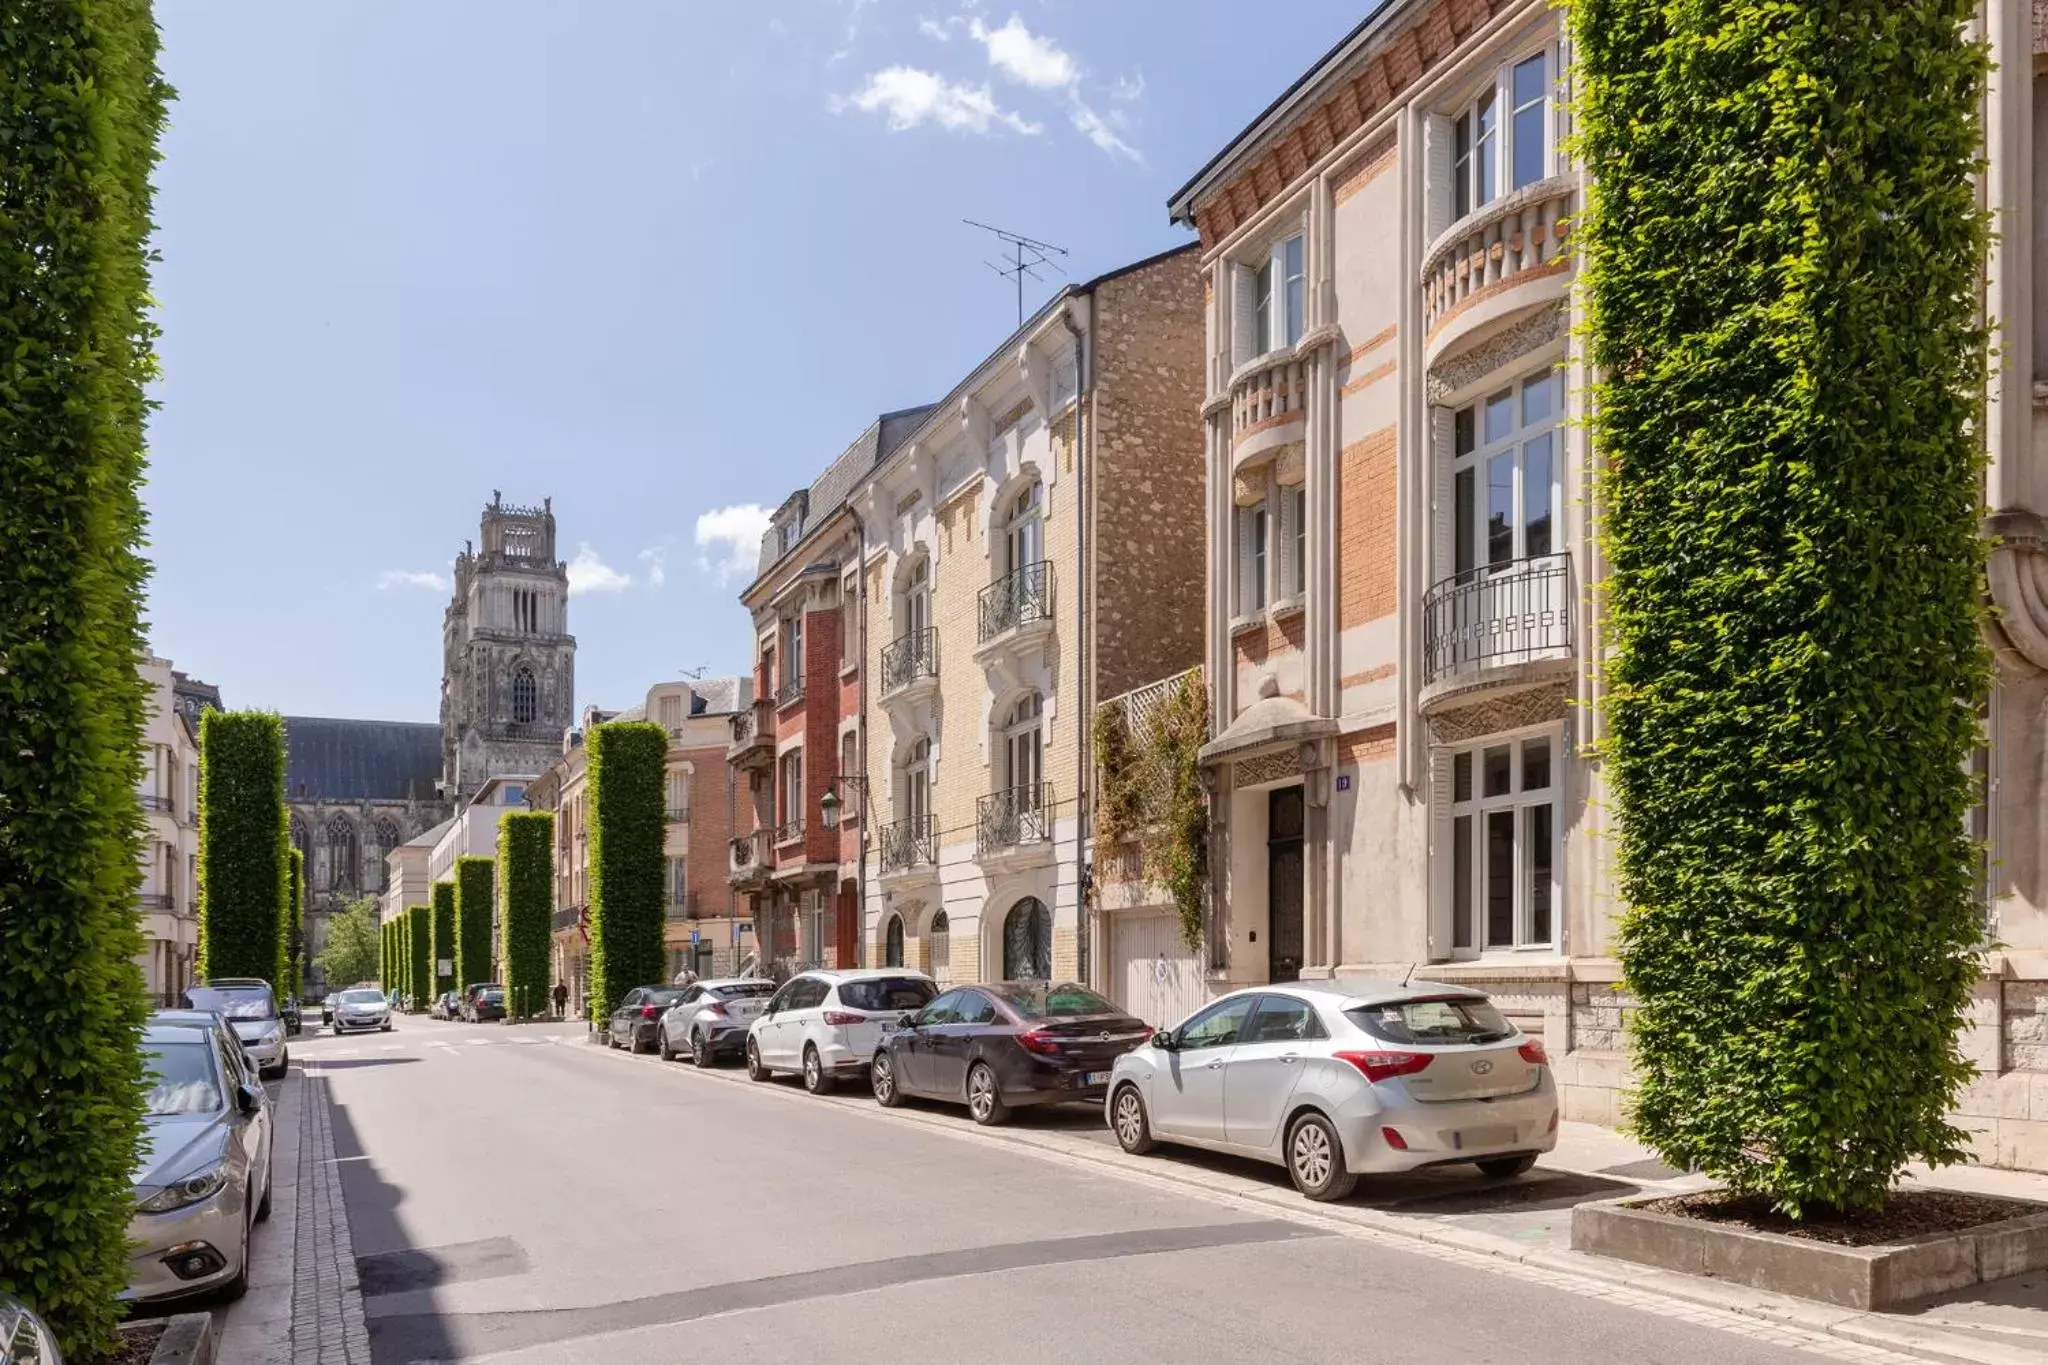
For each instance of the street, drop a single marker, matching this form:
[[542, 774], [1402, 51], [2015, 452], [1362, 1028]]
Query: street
[[519, 1194]]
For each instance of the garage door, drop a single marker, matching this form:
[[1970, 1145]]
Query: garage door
[[1151, 972]]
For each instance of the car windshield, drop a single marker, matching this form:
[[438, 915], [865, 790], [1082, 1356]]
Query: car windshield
[[362, 998], [1052, 1000], [234, 1002], [181, 1078], [887, 993], [744, 990], [1447, 1019]]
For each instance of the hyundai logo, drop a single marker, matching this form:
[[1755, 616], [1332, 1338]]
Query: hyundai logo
[[1481, 1067]]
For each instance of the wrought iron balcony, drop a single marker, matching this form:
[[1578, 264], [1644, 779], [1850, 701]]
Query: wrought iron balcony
[[568, 917], [908, 843], [910, 657], [1016, 599], [156, 900], [789, 831], [791, 691], [151, 801], [1013, 817], [679, 815], [753, 735], [748, 858], [1496, 615], [682, 905]]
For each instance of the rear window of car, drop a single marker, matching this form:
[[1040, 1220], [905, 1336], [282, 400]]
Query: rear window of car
[[234, 1002], [746, 990], [887, 993], [494, 995], [665, 997], [1047, 1000], [1453, 1019]]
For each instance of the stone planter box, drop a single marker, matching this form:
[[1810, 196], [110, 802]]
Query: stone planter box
[[1867, 1278], [188, 1339]]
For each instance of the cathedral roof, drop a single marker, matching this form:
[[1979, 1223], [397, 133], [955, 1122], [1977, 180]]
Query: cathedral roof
[[361, 760]]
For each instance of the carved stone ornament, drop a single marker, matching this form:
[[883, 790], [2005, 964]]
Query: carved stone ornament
[[1252, 772], [1538, 330], [1514, 711]]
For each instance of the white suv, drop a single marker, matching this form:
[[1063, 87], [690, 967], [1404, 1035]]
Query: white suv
[[826, 1024]]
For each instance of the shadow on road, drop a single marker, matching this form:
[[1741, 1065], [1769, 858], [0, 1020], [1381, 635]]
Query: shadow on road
[[349, 1063], [373, 1220]]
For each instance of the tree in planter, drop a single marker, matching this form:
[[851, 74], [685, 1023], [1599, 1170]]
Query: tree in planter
[[473, 920], [353, 941], [244, 847], [526, 857], [81, 107], [1782, 256], [627, 777], [443, 948], [419, 942]]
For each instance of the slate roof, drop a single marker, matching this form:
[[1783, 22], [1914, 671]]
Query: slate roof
[[720, 696], [360, 760]]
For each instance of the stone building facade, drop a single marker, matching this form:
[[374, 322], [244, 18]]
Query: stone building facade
[[168, 903]]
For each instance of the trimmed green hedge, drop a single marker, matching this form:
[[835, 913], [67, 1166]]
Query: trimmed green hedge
[[442, 948], [292, 967], [627, 780], [419, 968], [1782, 263], [473, 921], [244, 846], [526, 841], [81, 107]]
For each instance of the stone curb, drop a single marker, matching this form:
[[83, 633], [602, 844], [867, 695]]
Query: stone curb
[[188, 1339]]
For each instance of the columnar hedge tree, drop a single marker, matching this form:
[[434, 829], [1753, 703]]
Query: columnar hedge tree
[[526, 842], [627, 778], [419, 943], [292, 970], [1782, 258], [443, 949], [244, 847], [81, 106], [473, 921]]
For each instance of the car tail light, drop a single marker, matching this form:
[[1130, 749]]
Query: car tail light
[[649, 1012], [1145, 1033], [1533, 1053], [841, 1019], [1041, 1042], [714, 1008], [1394, 1139], [1385, 1066]]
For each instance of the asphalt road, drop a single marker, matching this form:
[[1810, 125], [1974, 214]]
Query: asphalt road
[[516, 1194]]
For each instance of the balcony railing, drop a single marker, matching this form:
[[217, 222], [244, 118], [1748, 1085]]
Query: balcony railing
[[1267, 396], [156, 900], [525, 729], [789, 831], [678, 815], [682, 905], [1016, 599], [753, 734], [910, 657], [151, 801], [568, 917], [748, 855], [908, 843], [1500, 614], [1012, 818], [1515, 234], [792, 690]]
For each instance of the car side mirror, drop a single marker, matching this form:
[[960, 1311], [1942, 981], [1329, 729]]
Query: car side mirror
[[908, 1021], [249, 1098], [1165, 1041]]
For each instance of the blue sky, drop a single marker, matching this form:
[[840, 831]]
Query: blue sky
[[658, 259]]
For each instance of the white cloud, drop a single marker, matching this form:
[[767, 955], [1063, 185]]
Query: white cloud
[[588, 573], [411, 578], [1026, 57], [729, 540], [1128, 88], [912, 98], [1100, 131], [936, 31], [656, 560]]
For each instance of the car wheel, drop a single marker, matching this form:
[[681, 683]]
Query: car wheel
[[755, 1071], [1502, 1167], [817, 1080], [1128, 1118], [386, 1028], [1315, 1158], [700, 1050], [882, 1076], [668, 1054], [984, 1100]]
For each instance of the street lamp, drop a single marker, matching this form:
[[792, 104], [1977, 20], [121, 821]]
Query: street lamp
[[828, 815]]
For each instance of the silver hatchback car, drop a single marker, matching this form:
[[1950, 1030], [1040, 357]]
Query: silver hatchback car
[[1335, 1079]]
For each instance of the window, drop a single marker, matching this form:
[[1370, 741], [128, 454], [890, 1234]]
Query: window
[[1024, 750], [1504, 853], [1284, 1019], [1529, 125], [678, 795], [976, 1008], [793, 654], [916, 786], [848, 757], [525, 696], [341, 854], [1251, 558], [1504, 474], [678, 881], [1216, 1026], [1027, 941], [1475, 151], [892, 942], [1481, 168], [942, 1010], [1024, 529], [1446, 1021], [385, 834], [916, 604], [1280, 296], [793, 792], [887, 993], [671, 713], [1294, 540]]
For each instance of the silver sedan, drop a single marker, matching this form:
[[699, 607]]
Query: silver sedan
[[1337, 1079]]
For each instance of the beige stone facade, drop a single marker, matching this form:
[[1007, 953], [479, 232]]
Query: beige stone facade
[[1399, 624], [168, 904]]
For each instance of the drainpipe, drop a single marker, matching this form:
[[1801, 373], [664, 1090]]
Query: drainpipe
[[1084, 388], [860, 734]]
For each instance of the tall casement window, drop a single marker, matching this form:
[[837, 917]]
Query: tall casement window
[[915, 602], [792, 793], [1506, 136], [793, 649], [1280, 298], [678, 882], [914, 785], [1024, 750], [1027, 941], [342, 859], [1505, 872], [525, 696], [892, 942], [1024, 529], [678, 794], [1254, 530], [1504, 479], [1272, 544]]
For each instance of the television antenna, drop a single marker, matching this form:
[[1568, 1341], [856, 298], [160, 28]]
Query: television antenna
[[695, 674], [1027, 254]]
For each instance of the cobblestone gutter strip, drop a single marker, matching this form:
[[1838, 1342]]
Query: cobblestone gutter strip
[[327, 1325]]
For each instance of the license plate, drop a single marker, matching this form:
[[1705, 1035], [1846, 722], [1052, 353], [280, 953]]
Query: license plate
[[1096, 1078], [1481, 1137]]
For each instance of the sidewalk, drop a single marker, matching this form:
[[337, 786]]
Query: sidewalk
[[303, 1306]]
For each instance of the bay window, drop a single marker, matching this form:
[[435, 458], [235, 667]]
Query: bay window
[[1489, 159], [1272, 299]]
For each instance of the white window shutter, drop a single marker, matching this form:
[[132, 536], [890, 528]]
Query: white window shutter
[[1283, 544], [1443, 502], [1244, 312], [1436, 183], [1246, 598], [1440, 935]]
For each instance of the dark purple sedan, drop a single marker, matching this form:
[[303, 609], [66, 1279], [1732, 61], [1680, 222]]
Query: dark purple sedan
[[1005, 1044]]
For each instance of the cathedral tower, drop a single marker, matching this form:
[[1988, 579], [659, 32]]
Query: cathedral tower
[[508, 662]]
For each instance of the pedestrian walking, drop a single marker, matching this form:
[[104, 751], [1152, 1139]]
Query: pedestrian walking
[[561, 1000]]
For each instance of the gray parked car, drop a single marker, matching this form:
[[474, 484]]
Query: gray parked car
[[250, 1007], [710, 1020], [204, 1178]]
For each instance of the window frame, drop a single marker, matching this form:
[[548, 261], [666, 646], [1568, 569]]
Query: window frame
[[914, 780], [1024, 527], [1472, 454], [1018, 728], [1470, 189], [1521, 801]]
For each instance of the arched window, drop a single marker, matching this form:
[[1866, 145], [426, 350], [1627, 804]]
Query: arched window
[[342, 865], [892, 943], [384, 837], [525, 696], [1024, 529], [1024, 751], [302, 841], [1027, 941], [942, 952]]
